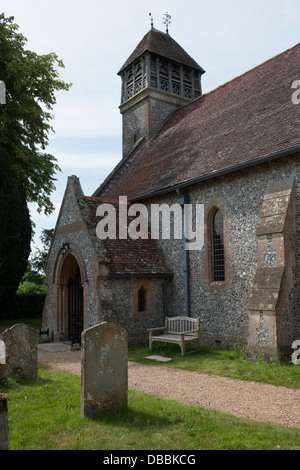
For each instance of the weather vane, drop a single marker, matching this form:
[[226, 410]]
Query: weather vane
[[167, 21], [151, 19]]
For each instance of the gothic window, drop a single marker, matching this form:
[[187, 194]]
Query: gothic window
[[164, 78], [176, 86], [218, 252], [187, 85], [138, 79], [142, 300], [129, 87]]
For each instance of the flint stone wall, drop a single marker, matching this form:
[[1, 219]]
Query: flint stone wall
[[223, 307]]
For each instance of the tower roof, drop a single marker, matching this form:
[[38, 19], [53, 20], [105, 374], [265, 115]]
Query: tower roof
[[163, 45]]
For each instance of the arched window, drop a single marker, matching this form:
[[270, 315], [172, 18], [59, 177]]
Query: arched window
[[164, 77], [138, 79], [187, 85], [176, 86], [129, 85], [218, 254], [142, 300]]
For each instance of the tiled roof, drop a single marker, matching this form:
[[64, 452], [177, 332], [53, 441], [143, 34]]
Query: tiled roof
[[242, 121], [130, 257], [163, 45]]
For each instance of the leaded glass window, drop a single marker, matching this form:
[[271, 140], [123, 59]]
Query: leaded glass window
[[218, 247]]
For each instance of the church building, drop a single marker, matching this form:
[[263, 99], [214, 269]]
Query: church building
[[234, 151]]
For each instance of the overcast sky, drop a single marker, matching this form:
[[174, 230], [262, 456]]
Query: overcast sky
[[95, 37]]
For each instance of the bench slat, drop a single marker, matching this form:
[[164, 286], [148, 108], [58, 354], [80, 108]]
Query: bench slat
[[178, 330]]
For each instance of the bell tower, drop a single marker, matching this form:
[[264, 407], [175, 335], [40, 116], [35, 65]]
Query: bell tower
[[158, 77]]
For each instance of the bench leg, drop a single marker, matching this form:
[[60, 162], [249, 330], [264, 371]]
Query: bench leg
[[182, 345]]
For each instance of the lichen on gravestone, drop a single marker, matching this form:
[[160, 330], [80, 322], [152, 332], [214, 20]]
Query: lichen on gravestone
[[21, 350]]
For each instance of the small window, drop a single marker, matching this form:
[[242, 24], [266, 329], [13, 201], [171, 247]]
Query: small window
[[142, 300], [218, 247]]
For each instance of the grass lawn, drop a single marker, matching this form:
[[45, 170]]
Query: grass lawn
[[226, 363], [44, 414]]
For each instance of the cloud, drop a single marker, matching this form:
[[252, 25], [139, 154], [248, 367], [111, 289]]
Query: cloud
[[85, 153], [86, 113]]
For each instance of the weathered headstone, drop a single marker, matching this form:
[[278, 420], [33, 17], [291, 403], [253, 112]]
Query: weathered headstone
[[21, 350], [3, 365], [2, 352], [104, 369], [4, 435]]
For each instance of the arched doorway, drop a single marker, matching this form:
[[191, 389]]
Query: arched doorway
[[70, 312], [75, 307]]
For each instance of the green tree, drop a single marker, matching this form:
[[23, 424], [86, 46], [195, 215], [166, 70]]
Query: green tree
[[31, 82], [27, 171], [15, 232]]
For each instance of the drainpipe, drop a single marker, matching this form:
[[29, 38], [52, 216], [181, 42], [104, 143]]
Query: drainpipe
[[183, 199], [165, 298]]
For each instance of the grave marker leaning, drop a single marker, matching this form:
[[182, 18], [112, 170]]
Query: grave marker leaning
[[21, 350], [104, 369]]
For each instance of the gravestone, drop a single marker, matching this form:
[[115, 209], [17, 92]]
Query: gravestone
[[4, 435], [104, 369], [2, 352], [21, 350], [3, 365]]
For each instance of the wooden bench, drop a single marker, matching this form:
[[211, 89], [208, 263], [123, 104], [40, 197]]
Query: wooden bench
[[178, 330]]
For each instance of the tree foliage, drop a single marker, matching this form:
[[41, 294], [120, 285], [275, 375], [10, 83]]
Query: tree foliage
[[31, 82], [27, 171], [15, 233], [38, 260]]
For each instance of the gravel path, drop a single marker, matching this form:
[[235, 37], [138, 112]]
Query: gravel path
[[252, 400]]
